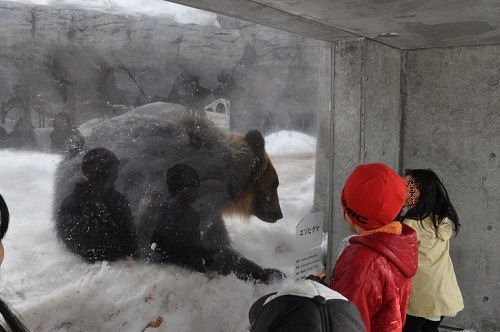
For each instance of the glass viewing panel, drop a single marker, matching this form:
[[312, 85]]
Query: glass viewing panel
[[155, 160]]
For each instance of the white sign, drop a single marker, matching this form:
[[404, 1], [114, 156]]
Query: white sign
[[308, 238], [309, 232], [308, 262]]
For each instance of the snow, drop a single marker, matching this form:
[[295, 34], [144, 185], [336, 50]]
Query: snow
[[56, 291], [287, 142], [181, 14]]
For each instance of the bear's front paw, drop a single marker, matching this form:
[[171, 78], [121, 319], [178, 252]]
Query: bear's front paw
[[272, 275]]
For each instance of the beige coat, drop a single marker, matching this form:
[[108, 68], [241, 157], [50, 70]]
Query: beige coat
[[435, 290]]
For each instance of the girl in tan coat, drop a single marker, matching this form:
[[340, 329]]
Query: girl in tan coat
[[435, 292]]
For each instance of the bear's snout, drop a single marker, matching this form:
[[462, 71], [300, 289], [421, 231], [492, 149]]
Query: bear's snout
[[270, 217], [277, 216]]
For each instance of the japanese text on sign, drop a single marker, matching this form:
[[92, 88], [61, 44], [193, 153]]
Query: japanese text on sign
[[308, 263]]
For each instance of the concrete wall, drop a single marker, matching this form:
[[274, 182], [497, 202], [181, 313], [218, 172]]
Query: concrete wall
[[452, 125], [323, 188], [366, 119], [438, 109]]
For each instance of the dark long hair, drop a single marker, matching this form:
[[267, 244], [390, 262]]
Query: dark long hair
[[433, 200], [4, 217], [12, 321]]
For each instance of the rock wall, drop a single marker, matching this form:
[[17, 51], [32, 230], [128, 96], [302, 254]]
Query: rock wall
[[56, 59]]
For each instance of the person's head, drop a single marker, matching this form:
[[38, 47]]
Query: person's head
[[427, 196], [4, 224], [304, 306], [372, 197], [182, 180], [100, 166], [61, 121], [10, 318]]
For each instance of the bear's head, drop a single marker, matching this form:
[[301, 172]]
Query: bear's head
[[254, 181]]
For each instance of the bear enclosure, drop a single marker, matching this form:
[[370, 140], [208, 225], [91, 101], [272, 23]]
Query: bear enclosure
[[100, 106], [327, 86]]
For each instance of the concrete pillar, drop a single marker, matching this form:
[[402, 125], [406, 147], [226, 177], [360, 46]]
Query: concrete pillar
[[322, 188], [346, 144], [364, 124]]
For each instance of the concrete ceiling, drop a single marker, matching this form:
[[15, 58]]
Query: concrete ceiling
[[405, 24]]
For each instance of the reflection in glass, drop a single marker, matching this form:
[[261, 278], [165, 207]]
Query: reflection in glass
[[234, 101]]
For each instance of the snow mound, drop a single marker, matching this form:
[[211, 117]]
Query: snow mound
[[290, 142], [54, 290]]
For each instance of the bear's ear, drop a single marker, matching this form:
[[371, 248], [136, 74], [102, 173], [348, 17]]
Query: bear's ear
[[256, 142]]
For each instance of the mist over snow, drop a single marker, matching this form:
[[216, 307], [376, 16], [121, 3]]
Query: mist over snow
[[290, 142], [54, 290], [181, 14]]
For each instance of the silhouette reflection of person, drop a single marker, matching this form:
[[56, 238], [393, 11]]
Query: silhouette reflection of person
[[177, 234], [95, 220], [22, 135], [65, 138], [3, 136]]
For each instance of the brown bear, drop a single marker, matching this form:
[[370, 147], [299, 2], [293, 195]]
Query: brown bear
[[236, 176]]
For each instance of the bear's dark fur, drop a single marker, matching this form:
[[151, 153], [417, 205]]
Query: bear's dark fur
[[235, 172]]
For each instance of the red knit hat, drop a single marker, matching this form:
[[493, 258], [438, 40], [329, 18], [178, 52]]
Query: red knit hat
[[373, 195]]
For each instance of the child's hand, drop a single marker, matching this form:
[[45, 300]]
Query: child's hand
[[318, 277]]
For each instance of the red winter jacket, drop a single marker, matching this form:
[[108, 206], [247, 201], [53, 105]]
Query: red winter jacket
[[374, 272]]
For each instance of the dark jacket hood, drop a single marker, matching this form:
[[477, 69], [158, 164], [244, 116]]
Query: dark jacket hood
[[305, 306]]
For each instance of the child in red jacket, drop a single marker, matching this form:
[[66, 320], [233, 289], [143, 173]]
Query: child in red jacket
[[375, 270]]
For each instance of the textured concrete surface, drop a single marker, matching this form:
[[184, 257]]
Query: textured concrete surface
[[366, 119], [452, 125], [405, 24], [253, 11], [382, 113], [435, 109], [346, 143], [323, 188]]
